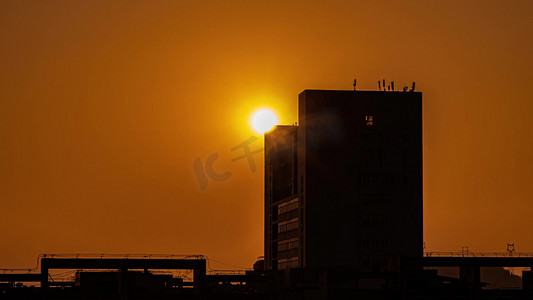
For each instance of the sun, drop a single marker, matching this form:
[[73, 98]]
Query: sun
[[263, 120]]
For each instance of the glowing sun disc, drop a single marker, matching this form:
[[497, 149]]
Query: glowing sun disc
[[263, 120]]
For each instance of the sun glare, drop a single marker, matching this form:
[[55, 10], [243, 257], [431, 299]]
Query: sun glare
[[263, 120]]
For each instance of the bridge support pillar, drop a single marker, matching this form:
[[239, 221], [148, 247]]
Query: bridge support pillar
[[470, 277], [527, 280]]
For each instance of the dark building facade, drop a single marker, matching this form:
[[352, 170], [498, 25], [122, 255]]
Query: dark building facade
[[343, 189]]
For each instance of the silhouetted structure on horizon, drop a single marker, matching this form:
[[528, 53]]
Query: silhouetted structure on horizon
[[344, 187], [343, 220]]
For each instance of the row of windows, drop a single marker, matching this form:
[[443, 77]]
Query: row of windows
[[288, 225], [369, 156], [287, 263], [374, 243], [367, 151], [288, 244], [374, 222], [373, 262], [376, 180], [369, 137], [375, 201], [288, 206]]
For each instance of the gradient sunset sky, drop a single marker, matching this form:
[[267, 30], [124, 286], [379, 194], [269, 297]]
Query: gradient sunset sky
[[106, 105]]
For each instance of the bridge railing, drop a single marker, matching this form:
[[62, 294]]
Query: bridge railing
[[476, 254]]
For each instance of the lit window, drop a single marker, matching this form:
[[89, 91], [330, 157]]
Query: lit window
[[369, 120]]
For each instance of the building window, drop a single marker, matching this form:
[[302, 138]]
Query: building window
[[288, 244], [367, 156], [287, 263], [377, 180], [369, 221], [375, 201], [369, 120], [288, 206], [288, 225], [370, 242]]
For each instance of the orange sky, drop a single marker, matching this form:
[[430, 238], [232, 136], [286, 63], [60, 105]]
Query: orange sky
[[104, 107]]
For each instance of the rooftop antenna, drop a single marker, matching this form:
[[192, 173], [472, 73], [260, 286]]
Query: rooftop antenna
[[384, 84], [354, 83], [379, 85], [464, 251], [413, 87], [392, 85], [510, 249]]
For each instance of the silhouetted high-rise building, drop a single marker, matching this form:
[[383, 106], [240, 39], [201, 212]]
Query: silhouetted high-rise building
[[344, 187]]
